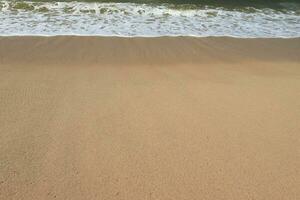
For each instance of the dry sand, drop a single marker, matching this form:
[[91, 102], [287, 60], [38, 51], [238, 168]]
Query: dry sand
[[161, 118]]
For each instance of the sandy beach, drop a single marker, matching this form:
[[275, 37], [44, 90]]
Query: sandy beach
[[149, 118]]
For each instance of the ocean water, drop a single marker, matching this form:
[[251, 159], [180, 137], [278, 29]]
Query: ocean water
[[151, 18]]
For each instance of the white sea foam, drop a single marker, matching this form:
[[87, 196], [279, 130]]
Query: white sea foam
[[129, 19]]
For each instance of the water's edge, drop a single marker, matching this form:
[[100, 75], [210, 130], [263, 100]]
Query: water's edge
[[145, 20]]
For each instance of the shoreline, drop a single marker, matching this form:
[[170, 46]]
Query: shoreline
[[149, 36], [164, 50]]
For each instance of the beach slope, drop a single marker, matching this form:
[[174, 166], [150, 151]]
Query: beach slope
[[149, 118]]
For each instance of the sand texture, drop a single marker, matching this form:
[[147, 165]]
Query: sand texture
[[149, 118]]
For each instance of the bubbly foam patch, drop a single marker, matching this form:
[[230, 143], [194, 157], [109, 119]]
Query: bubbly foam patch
[[129, 19]]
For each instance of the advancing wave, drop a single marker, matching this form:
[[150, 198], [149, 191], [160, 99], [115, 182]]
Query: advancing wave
[[132, 19]]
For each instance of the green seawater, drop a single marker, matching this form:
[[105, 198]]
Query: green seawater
[[242, 5], [223, 3], [239, 18]]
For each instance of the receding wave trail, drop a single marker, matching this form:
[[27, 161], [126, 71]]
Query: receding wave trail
[[138, 19]]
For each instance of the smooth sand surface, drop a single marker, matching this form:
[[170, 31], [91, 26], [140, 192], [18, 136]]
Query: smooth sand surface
[[160, 118]]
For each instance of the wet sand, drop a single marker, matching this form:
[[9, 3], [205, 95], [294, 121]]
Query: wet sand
[[149, 118]]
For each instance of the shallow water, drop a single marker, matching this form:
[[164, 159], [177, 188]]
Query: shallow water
[[145, 18]]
